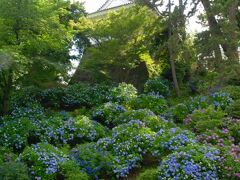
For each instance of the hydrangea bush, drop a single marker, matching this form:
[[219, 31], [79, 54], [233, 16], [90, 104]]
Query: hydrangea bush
[[179, 112], [52, 97], [108, 113], [204, 119], [44, 160], [158, 86], [32, 110], [15, 133], [73, 130], [154, 102], [220, 100], [230, 162], [191, 162], [216, 137], [14, 170], [122, 93], [170, 140], [84, 131], [230, 152], [234, 109], [22, 97], [233, 91], [92, 159], [198, 102], [151, 120], [232, 125], [69, 97], [127, 144], [84, 95]]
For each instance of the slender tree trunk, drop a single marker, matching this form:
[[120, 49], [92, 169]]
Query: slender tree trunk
[[173, 69], [182, 20], [171, 52]]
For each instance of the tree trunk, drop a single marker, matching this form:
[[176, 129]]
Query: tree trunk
[[182, 20], [173, 69], [171, 52]]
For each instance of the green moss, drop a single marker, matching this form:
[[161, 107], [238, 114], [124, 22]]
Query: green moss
[[148, 174]]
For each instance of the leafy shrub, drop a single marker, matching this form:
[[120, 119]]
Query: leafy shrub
[[235, 132], [108, 113], [7, 155], [179, 112], [32, 110], [230, 163], [148, 117], [202, 120], [157, 86], [25, 96], [92, 159], [15, 132], [72, 130], [84, 95], [71, 171], [70, 97], [206, 82], [124, 92], [220, 100], [233, 91], [127, 144], [89, 129], [77, 95], [148, 174], [217, 99], [99, 93], [232, 126], [191, 162], [198, 102], [216, 137], [14, 170], [153, 102], [52, 97], [57, 131], [44, 160], [234, 109], [33, 113], [171, 140], [132, 137]]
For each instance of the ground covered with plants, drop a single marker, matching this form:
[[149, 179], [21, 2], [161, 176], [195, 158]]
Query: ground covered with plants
[[113, 132]]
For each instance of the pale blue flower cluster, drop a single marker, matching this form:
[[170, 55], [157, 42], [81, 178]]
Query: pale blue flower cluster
[[190, 164], [221, 100], [46, 157], [171, 140]]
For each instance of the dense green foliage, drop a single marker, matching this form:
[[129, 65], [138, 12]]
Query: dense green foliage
[[31, 51], [130, 36], [115, 139]]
